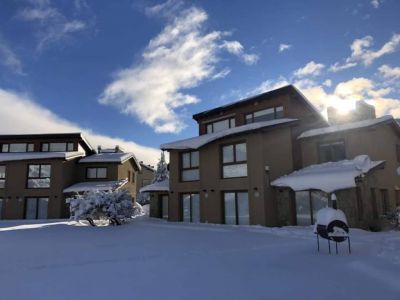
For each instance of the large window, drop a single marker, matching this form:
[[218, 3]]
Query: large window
[[333, 151], [164, 207], [2, 177], [190, 166], [220, 125], [1, 208], [96, 173], [191, 208], [36, 208], [236, 208], [58, 147], [308, 203], [17, 147], [39, 176], [234, 160], [265, 115]]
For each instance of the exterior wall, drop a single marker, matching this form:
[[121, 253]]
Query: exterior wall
[[123, 170], [142, 177], [155, 207], [16, 190], [379, 143], [270, 148]]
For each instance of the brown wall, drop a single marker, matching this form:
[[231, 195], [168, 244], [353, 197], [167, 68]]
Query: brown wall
[[266, 148], [141, 178], [123, 174]]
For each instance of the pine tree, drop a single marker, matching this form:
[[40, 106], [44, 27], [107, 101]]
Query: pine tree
[[162, 172]]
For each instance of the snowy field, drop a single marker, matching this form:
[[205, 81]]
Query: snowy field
[[153, 259]]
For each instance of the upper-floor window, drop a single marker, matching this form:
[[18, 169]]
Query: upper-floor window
[[220, 125], [96, 173], [333, 151], [265, 115], [17, 147], [190, 166], [58, 147], [234, 160], [39, 176], [2, 177]]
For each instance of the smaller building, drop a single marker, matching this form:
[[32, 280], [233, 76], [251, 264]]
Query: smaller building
[[144, 177], [159, 204]]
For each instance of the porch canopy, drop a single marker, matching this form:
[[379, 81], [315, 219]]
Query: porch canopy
[[330, 176], [82, 187], [162, 186]]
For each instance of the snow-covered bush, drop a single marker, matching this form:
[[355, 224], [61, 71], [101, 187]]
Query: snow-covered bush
[[393, 217], [101, 205], [143, 198], [137, 210]]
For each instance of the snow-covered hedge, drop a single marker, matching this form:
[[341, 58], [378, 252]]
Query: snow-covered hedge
[[101, 205], [393, 217]]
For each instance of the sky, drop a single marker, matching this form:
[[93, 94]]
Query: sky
[[133, 73]]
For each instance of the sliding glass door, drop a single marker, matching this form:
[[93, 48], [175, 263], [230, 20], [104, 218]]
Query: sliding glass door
[[164, 206], [308, 203], [36, 208], [191, 208], [236, 208]]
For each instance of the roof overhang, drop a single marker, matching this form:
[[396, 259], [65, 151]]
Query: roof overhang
[[82, 187]]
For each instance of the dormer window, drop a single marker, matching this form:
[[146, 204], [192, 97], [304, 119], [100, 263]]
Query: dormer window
[[17, 147], [265, 115], [220, 125], [58, 147]]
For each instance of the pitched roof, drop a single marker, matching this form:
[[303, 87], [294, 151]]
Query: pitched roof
[[199, 141], [347, 126], [39, 155], [328, 177], [261, 97], [95, 186], [119, 157], [162, 186]]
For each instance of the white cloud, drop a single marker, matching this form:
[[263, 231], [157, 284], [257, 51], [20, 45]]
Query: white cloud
[[283, 47], [361, 53], [9, 59], [388, 72], [375, 3], [50, 24], [310, 69], [181, 57], [327, 83], [19, 115]]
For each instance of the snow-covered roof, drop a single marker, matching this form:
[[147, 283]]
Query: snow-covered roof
[[347, 126], [328, 177], [39, 155], [109, 157], [199, 141], [162, 186], [95, 186]]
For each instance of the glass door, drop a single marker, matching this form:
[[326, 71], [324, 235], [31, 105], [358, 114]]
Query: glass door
[[30, 208], [164, 204], [43, 204], [236, 207], [191, 208]]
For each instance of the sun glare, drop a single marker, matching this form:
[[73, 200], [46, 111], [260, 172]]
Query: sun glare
[[344, 107]]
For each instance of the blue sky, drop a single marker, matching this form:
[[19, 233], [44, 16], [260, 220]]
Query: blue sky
[[134, 72]]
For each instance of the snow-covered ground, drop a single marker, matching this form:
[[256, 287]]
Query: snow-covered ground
[[154, 259]]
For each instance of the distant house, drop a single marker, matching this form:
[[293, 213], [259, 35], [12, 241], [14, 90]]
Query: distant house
[[38, 171], [144, 177], [242, 167]]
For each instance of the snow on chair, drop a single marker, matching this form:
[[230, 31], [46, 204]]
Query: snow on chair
[[332, 225]]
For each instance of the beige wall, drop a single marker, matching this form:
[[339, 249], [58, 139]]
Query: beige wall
[[145, 175]]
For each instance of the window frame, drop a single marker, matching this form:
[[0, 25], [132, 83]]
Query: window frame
[[37, 206], [236, 192], [97, 176], [9, 147], [191, 205], [234, 162], [231, 120], [39, 177], [266, 108], [182, 169], [330, 143], [66, 146]]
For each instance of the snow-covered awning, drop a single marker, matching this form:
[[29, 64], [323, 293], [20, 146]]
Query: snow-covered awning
[[199, 141], [107, 157], [347, 126], [162, 186], [39, 155], [95, 186], [328, 177]]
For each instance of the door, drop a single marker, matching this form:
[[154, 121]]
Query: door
[[43, 204], [36, 208], [191, 208], [30, 208], [164, 205], [236, 207], [303, 212], [1, 208]]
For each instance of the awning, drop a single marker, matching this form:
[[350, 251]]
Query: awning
[[95, 186], [162, 186], [328, 177]]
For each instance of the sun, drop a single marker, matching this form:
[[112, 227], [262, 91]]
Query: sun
[[344, 107]]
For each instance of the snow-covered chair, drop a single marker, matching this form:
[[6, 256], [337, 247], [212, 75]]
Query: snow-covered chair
[[332, 225]]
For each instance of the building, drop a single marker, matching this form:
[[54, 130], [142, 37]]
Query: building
[[233, 171], [38, 171], [144, 177]]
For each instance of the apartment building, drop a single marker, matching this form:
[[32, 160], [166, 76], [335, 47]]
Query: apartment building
[[38, 171], [240, 169]]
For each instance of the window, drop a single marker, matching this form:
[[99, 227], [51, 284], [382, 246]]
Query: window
[[308, 203], [164, 207], [1, 208], [236, 208], [234, 160], [385, 201], [2, 177], [190, 166], [191, 208], [17, 147], [333, 151], [36, 208], [129, 176], [220, 125], [58, 147], [265, 115], [39, 176], [96, 173]]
